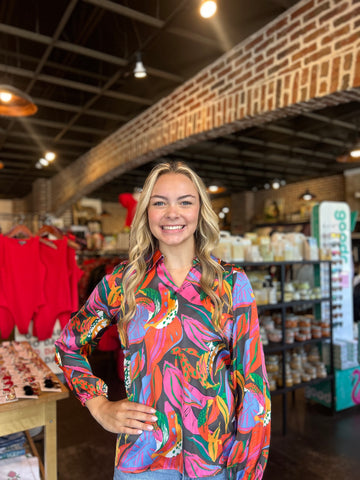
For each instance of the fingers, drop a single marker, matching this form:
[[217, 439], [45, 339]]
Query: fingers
[[125, 417], [136, 416]]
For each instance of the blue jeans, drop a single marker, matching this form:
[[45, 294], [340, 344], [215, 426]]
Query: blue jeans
[[161, 475]]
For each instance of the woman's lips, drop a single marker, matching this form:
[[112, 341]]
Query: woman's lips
[[173, 227]]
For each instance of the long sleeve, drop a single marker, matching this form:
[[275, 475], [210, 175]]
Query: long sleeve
[[249, 453], [82, 334]]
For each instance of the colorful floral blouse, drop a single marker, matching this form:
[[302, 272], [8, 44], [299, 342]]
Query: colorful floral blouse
[[210, 390]]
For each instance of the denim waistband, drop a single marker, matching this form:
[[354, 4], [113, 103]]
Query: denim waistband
[[162, 475]]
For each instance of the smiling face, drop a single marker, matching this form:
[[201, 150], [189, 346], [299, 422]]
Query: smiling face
[[173, 211]]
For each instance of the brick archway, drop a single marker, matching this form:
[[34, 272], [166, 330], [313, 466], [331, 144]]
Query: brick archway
[[307, 59]]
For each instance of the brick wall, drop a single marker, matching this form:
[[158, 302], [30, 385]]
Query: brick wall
[[306, 59], [352, 189], [326, 188]]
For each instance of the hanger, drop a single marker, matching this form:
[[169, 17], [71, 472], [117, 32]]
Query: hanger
[[19, 230], [57, 233], [22, 231], [50, 230]]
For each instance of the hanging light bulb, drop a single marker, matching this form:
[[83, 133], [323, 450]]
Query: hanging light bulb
[[50, 156], [208, 8], [355, 152], [275, 184], [139, 70], [5, 97], [44, 162], [15, 103]]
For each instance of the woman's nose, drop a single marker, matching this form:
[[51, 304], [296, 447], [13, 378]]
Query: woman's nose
[[172, 211]]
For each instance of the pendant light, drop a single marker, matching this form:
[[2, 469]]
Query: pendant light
[[307, 196], [139, 70], [208, 8], [355, 152], [15, 103]]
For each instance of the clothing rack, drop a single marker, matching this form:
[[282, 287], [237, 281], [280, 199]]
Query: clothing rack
[[33, 220]]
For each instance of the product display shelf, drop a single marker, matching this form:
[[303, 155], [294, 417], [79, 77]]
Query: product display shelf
[[282, 347], [274, 347], [284, 391]]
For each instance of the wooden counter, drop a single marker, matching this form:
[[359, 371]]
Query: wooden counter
[[25, 414]]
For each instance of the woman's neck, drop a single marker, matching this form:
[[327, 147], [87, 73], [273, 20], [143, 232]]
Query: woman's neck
[[175, 259]]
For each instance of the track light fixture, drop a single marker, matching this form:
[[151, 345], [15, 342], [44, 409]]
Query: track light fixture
[[45, 160], [139, 70], [15, 103]]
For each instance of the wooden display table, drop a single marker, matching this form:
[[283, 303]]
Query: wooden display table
[[25, 414]]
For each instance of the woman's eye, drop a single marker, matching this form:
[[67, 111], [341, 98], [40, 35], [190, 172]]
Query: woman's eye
[[186, 202], [159, 203]]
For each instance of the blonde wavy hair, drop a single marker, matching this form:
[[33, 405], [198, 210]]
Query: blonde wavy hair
[[143, 245]]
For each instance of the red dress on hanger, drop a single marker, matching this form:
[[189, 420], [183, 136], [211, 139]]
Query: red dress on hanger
[[22, 277], [56, 290]]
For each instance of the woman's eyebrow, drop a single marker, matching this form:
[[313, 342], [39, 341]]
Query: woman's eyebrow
[[179, 198]]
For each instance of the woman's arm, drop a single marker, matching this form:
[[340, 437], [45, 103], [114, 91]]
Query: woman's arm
[[76, 343], [81, 335], [249, 453]]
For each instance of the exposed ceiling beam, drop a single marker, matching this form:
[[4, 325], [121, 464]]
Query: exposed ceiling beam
[[75, 128], [278, 146], [87, 52], [50, 140], [275, 163], [83, 87], [304, 135], [59, 29], [72, 108], [37, 149], [332, 121], [153, 22]]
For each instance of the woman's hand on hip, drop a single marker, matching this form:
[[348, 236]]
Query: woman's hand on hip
[[122, 416]]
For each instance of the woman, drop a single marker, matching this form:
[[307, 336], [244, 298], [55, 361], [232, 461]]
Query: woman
[[198, 403]]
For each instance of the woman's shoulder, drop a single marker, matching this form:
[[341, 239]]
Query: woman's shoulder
[[232, 271], [231, 268], [119, 268]]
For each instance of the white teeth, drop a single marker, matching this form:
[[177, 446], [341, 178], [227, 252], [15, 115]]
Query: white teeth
[[172, 227]]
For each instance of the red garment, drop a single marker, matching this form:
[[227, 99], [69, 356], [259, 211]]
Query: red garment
[[56, 289], [21, 277], [7, 321], [75, 274], [128, 201]]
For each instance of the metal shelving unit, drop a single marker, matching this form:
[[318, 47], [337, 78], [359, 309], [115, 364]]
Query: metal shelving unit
[[283, 347]]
